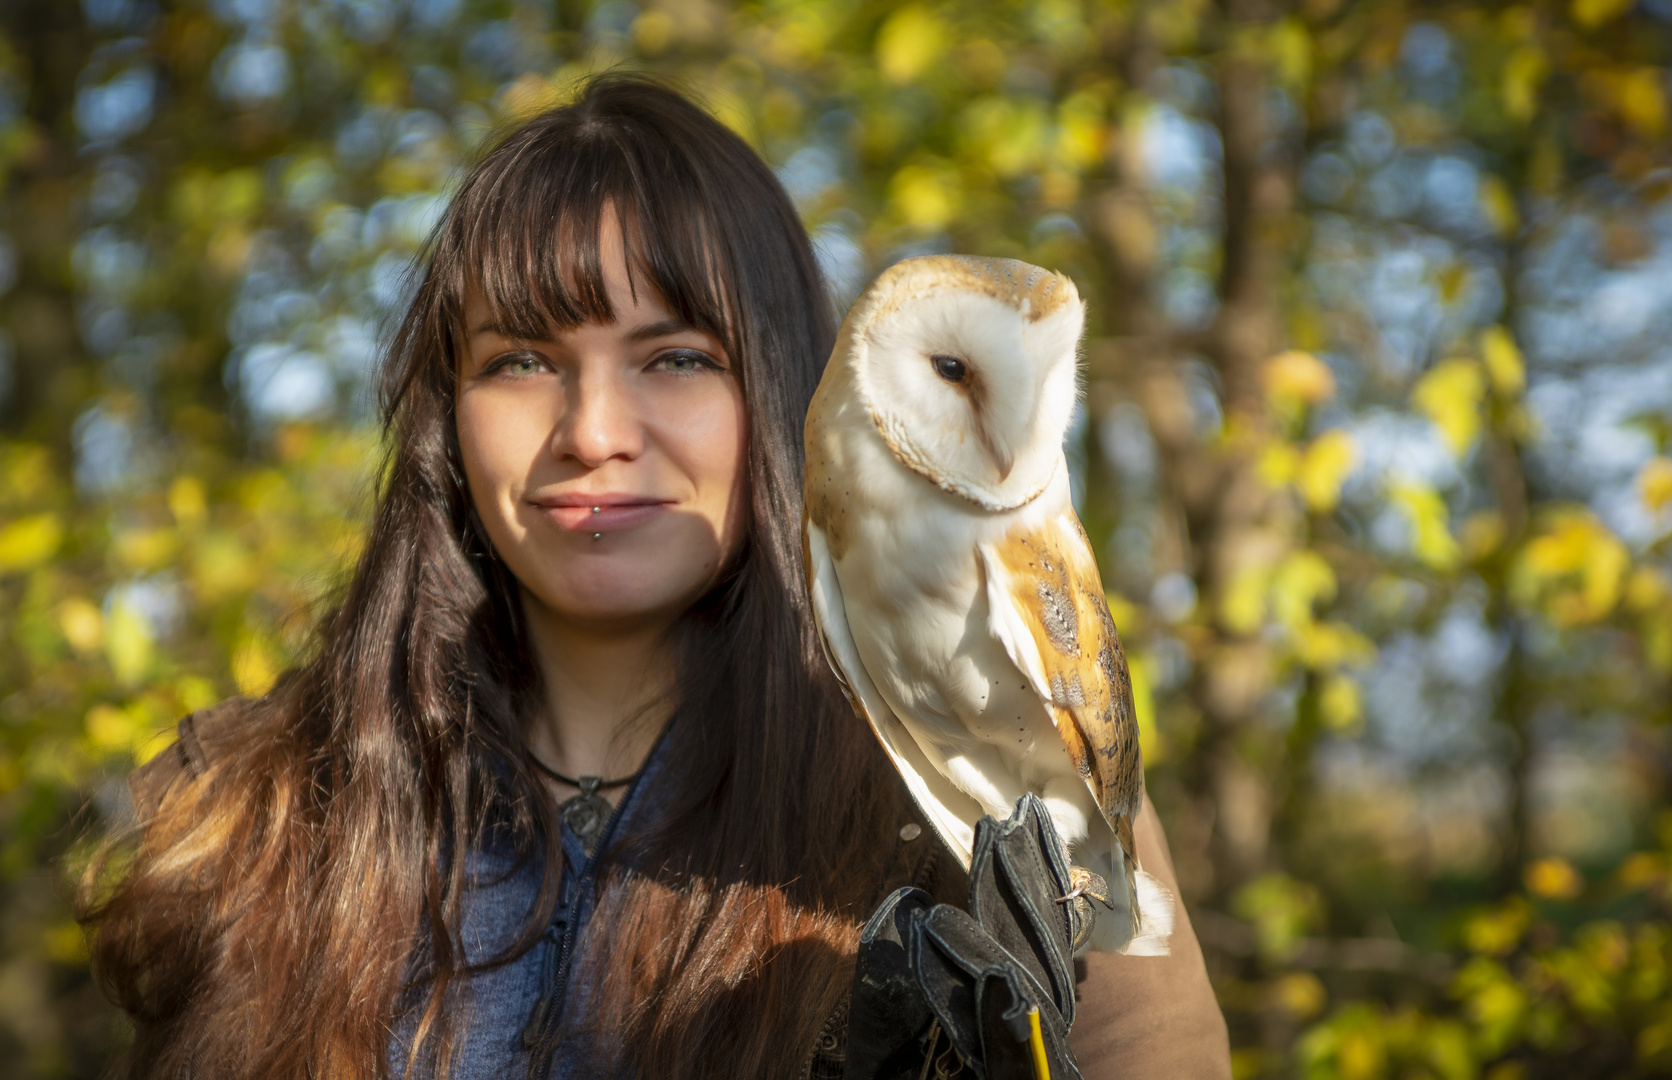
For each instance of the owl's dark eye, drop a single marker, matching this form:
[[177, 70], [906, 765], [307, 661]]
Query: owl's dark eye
[[949, 368]]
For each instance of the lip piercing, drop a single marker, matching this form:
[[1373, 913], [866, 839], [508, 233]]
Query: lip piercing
[[597, 536], [595, 509]]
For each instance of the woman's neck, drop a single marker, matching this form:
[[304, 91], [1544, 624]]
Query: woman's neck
[[606, 693]]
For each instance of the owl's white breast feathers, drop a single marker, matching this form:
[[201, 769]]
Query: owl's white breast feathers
[[950, 811]]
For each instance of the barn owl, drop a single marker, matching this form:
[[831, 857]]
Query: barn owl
[[954, 589]]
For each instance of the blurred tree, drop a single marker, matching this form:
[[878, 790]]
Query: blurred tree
[[1375, 441]]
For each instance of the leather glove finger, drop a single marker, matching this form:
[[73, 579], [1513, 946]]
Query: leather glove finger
[[982, 997], [888, 1015], [1018, 877]]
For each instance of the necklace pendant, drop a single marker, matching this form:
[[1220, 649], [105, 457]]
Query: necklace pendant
[[586, 814]]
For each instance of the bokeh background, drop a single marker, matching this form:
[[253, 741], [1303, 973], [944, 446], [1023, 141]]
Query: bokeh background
[[1373, 450]]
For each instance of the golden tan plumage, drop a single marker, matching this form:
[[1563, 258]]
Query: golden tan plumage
[[1052, 583], [955, 592]]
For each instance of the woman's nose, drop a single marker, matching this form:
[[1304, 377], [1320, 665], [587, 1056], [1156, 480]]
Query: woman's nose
[[601, 423]]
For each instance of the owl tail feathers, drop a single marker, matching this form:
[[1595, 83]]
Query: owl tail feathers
[[1154, 932], [1139, 921]]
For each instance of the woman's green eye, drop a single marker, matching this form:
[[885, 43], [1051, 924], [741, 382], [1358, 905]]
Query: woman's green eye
[[684, 363], [516, 366]]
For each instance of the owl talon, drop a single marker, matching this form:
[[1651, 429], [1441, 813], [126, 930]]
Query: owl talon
[[1084, 883], [1084, 887]]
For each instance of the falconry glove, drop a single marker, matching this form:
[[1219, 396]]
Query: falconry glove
[[937, 989]]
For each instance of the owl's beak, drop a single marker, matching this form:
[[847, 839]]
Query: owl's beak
[[1001, 455]]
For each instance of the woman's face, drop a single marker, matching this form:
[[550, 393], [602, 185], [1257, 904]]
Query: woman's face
[[606, 461]]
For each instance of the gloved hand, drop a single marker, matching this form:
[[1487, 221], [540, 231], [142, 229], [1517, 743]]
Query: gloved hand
[[934, 981]]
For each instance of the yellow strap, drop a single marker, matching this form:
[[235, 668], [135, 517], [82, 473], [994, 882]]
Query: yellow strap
[[1036, 1043]]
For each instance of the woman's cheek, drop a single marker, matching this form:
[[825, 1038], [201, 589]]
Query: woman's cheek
[[716, 449], [488, 444]]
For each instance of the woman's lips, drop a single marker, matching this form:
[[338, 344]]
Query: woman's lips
[[601, 513]]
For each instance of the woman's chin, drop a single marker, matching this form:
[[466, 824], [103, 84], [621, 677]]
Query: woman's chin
[[607, 602]]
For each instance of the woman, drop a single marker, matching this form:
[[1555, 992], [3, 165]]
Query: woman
[[566, 787]]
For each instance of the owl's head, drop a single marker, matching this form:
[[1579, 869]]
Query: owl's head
[[967, 366]]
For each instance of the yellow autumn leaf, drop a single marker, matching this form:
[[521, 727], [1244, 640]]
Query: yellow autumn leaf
[[253, 669], [1242, 606], [1058, 188], [1640, 869], [1654, 483], [108, 728], [1497, 202], [1656, 633], [1300, 994], [221, 565], [145, 549], [1361, 1054], [1640, 96], [1431, 539], [1504, 363], [927, 196], [1602, 578], [82, 624], [529, 95], [1301, 580], [1593, 13], [1324, 646], [1341, 704], [188, 502], [1647, 588], [1524, 73], [1482, 533], [128, 644], [1450, 395], [799, 36], [1150, 746], [1562, 549], [653, 32], [1496, 932], [1575, 568], [29, 541], [1080, 131], [1128, 617], [1297, 378], [66, 943], [908, 43], [1290, 49], [239, 193], [1011, 136], [28, 472], [1277, 464], [1553, 879], [1324, 468]]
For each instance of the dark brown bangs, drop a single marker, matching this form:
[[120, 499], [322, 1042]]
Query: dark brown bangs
[[527, 231]]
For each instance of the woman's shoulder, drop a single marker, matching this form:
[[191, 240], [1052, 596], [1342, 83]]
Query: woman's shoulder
[[199, 739]]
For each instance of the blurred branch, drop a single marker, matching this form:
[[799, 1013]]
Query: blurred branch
[[1230, 935]]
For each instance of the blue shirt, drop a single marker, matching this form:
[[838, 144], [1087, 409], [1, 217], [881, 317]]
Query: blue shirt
[[507, 1009]]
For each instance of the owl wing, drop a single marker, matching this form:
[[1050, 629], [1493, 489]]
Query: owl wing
[[949, 810], [1046, 606]]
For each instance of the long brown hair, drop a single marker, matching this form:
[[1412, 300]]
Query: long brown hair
[[279, 908]]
